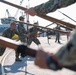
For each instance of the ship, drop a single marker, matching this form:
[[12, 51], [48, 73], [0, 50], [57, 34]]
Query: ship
[[5, 22]]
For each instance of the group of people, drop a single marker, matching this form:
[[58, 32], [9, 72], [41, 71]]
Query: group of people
[[67, 54], [18, 32], [49, 60]]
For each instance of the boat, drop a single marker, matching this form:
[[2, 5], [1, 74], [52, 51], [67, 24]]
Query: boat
[[5, 22]]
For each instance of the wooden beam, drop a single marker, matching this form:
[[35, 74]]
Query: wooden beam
[[65, 32], [6, 42]]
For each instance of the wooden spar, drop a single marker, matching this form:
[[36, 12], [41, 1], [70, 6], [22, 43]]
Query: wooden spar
[[41, 15], [56, 20], [6, 42], [14, 5], [49, 24], [67, 16], [65, 32], [61, 26]]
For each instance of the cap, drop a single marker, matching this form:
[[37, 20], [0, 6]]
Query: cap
[[21, 17]]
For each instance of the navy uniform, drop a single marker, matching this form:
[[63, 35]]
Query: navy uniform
[[33, 35], [57, 34], [48, 33], [10, 34], [22, 31], [52, 5]]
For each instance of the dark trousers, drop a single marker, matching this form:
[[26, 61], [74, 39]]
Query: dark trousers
[[17, 54], [2, 50], [35, 40], [57, 38]]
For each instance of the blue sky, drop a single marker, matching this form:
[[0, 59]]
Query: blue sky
[[70, 11]]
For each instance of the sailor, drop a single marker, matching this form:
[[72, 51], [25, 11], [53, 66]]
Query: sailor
[[33, 35], [12, 33], [57, 34], [22, 31], [48, 33]]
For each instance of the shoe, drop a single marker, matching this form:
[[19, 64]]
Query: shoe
[[18, 59], [59, 42]]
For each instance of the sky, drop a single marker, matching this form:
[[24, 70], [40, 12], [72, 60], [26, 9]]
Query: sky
[[70, 11]]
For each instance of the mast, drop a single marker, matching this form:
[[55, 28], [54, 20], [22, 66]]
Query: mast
[[18, 9]]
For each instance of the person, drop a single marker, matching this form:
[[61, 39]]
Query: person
[[22, 31], [57, 34], [53, 60], [33, 35], [64, 58], [48, 33], [49, 6], [12, 33], [68, 33]]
